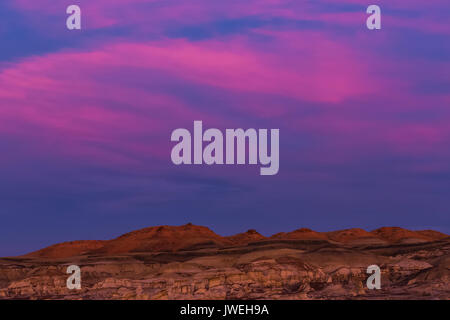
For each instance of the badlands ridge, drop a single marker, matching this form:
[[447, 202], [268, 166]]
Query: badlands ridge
[[193, 262]]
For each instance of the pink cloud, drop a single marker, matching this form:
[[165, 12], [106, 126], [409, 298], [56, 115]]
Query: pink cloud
[[103, 13], [312, 67], [81, 101], [315, 69], [56, 100]]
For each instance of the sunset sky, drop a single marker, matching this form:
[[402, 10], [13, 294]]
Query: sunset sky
[[86, 116]]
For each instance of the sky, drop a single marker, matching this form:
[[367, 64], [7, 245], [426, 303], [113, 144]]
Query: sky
[[86, 116]]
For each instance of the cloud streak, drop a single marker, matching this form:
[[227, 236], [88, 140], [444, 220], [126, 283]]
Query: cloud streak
[[85, 119]]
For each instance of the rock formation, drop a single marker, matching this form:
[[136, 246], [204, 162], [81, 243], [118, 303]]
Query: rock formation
[[193, 262]]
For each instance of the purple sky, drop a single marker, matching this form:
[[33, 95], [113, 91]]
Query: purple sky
[[86, 116]]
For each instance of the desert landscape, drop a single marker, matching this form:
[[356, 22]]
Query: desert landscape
[[193, 262]]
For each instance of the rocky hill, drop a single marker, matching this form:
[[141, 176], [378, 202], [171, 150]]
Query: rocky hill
[[193, 262]]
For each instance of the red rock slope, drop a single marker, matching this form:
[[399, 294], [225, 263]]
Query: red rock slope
[[190, 237]]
